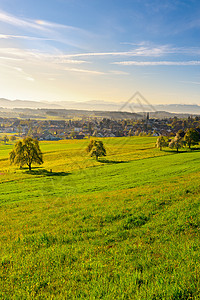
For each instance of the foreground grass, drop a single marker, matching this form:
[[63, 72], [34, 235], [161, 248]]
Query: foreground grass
[[123, 228]]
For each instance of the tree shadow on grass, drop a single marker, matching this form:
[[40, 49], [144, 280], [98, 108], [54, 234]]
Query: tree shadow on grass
[[175, 151], [183, 151], [45, 172], [106, 161], [195, 149]]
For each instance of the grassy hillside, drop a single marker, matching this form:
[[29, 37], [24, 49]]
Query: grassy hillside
[[126, 227]]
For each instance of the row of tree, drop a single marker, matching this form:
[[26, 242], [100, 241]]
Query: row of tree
[[190, 138], [5, 138], [27, 152]]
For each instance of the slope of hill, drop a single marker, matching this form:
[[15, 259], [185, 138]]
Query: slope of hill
[[99, 105], [5, 103], [126, 227]]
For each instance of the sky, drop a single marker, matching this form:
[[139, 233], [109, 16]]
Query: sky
[[82, 50]]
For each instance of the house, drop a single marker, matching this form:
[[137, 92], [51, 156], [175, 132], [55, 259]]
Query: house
[[79, 136], [49, 137]]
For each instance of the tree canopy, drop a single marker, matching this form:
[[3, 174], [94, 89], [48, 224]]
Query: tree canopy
[[26, 152], [5, 139], [161, 143], [177, 142], [12, 138], [191, 137], [96, 148]]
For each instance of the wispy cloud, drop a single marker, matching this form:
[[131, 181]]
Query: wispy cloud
[[23, 37], [36, 56], [191, 82], [95, 72], [19, 72], [10, 19], [10, 58], [156, 51], [30, 78], [140, 51], [158, 63], [61, 60], [35, 24], [45, 30], [116, 72], [85, 71]]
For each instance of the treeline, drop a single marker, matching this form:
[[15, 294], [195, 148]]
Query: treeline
[[6, 139], [182, 139]]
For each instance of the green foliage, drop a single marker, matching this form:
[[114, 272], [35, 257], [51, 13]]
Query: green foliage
[[5, 139], [26, 152], [161, 142], [191, 137], [96, 148], [12, 138], [177, 142]]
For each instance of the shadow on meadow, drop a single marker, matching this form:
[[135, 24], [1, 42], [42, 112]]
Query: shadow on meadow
[[106, 161], [186, 150], [44, 172]]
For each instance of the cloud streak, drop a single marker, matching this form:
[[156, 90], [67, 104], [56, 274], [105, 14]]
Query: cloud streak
[[191, 82], [36, 56], [157, 51], [12, 20], [44, 30], [24, 37], [158, 63], [34, 24], [85, 71], [141, 51]]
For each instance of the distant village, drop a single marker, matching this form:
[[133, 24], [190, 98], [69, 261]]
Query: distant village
[[50, 130]]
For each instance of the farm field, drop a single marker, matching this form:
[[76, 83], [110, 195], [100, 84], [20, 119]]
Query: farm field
[[124, 227]]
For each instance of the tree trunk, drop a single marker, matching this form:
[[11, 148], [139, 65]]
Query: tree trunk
[[29, 166]]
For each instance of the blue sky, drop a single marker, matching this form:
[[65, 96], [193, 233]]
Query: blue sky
[[62, 50]]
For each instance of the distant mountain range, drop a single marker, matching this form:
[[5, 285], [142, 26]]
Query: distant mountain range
[[99, 105]]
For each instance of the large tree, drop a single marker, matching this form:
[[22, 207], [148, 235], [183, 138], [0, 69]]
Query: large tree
[[96, 148], [26, 152], [191, 137], [161, 143], [177, 142]]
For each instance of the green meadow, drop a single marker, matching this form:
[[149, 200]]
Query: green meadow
[[124, 227]]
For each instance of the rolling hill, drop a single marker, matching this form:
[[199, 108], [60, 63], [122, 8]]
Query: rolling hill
[[124, 227]]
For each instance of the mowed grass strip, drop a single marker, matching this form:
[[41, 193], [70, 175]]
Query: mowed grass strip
[[124, 229]]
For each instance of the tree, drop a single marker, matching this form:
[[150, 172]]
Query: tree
[[30, 132], [130, 133], [191, 137], [177, 142], [96, 148], [19, 129], [26, 152], [181, 133], [161, 143], [13, 138], [5, 139]]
